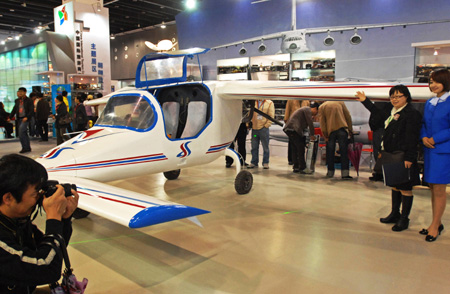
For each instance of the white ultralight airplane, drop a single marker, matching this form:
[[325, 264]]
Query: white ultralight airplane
[[167, 123]]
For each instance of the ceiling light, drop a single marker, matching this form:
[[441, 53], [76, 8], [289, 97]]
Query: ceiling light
[[355, 39], [2, 42], [37, 30], [112, 37], [436, 52], [191, 4], [17, 37], [9, 38], [242, 51], [262, 48], [329, 40], [163, 25]]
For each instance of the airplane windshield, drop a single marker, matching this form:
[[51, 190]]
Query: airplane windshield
[[132, 112], [157, 69]]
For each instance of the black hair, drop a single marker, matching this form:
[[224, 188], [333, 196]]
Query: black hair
[[80, 98], [401, 89], [60, 98], [33, 94], [442, 77], [40, 95], [314, 105], [64, 93], [22, 89], [17, 173]]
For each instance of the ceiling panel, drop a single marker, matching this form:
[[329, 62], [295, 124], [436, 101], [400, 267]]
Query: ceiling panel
[[22, 16]]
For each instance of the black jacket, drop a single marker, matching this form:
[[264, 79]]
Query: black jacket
[[403, 133], [61, 111], [377, 118], [28, 107], [28, 257], [42, 110], [4, 116], [80, 114]]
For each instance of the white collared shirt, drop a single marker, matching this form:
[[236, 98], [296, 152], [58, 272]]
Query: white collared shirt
[[434, 101]]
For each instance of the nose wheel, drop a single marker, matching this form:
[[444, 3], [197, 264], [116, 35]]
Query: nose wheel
[[243, 182], [172, 174]]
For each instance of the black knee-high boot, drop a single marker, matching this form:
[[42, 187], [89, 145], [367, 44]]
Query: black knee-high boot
[[403, 222], [394, 216]]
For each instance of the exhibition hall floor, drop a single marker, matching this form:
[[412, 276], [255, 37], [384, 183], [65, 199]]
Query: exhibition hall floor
[[291, 234]]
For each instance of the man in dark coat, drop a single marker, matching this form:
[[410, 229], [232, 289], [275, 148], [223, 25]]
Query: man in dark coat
[[42, 113], [294, 128], [23, 110], [5, 121], [80, 116]]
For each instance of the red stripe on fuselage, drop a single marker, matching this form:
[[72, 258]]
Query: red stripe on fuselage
[[110, 199], [119, 164], [112, 160]]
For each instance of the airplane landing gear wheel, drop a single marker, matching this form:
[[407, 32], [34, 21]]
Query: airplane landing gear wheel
[[80, 213], [172, 174], [243, 182]]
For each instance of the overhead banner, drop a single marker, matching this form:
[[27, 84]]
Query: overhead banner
[[64, 17]]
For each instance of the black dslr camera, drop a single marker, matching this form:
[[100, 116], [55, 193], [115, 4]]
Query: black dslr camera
[[50, 188]]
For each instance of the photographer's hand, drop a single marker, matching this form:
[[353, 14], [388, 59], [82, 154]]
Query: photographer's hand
[[72, 204], [55, 205]]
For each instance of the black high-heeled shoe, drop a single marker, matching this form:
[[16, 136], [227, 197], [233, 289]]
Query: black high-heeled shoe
[[425, 231], [430, 238]]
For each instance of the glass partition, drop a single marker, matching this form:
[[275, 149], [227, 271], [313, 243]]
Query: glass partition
[[18, 68]]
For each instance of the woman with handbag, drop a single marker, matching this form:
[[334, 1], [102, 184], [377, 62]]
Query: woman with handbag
[[62, 119], [399, 144], [435, 135]]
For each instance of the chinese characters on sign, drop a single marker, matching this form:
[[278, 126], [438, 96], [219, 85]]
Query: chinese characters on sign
[[96, 66]]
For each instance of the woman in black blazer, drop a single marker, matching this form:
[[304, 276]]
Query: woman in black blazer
[[401, 133]]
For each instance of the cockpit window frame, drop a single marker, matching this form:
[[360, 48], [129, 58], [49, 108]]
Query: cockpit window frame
[[185, 54], [142, 96]]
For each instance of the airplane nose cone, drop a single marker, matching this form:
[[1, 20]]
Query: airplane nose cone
[[293, 46]]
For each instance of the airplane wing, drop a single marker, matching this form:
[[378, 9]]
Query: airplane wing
[[125, 207], [345, 91]]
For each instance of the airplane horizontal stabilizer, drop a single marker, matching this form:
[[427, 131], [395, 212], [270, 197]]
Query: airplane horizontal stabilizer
[[126, 207]]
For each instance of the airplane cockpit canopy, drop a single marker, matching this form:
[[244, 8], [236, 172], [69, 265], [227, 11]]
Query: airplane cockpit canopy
[[165, 68], [128, 111]]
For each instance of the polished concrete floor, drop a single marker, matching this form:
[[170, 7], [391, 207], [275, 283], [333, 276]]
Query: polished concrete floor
[[291, 234]]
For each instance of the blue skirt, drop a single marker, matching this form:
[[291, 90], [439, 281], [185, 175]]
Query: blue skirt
[[436, 167]]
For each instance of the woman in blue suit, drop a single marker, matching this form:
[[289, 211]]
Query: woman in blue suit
[[435, 136]]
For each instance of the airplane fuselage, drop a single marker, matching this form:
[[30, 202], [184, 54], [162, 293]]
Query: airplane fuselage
[[108, 151]]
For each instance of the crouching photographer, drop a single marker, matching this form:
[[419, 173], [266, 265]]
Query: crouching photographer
[[29, 257]]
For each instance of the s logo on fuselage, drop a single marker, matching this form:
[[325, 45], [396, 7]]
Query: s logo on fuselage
[[185, 151]]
